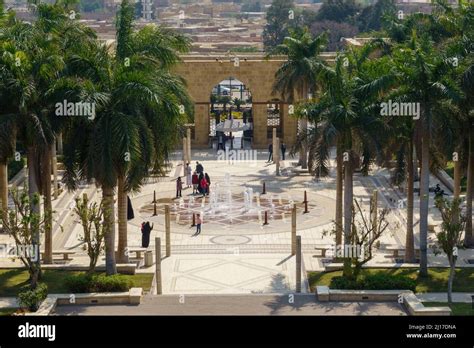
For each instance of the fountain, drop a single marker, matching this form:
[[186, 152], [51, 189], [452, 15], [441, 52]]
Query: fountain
[[228, 204]]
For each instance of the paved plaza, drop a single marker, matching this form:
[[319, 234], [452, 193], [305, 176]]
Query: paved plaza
[[243, 256]]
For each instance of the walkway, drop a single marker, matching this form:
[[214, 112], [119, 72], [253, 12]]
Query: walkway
[[237, 305]]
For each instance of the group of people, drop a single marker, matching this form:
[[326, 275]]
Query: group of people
[[199, 180], [270, 152]]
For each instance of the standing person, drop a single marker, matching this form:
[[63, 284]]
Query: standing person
[[270, 153], [204, 185], [146, 230], [208, 179], [179, 187], [220, 144], [199, 168], [195, 181], [198, 223], [283, 150], [189, 180]]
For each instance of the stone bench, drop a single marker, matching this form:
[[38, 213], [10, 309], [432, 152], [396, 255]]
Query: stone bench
[[396, 251], [323, 251], [138, 251], [126, 268], [65, 254]]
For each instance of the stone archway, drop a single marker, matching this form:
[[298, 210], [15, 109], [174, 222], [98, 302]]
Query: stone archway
[[202, 73]]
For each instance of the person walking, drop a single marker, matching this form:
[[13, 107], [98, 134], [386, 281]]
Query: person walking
[[179, 187], [283, 150], [189, 180], [198, 224], [208, 179], [195, 181], [270, 153]]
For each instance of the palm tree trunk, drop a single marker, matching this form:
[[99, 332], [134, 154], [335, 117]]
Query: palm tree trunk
[[109, 227], [304, 147], [348, 196], [410, 241], [424, 192], [450, 280], [339, 183], [122, 251], [4, 188], [54, 165], [48, 209], [457, 177], [468, 236], [33, 191], [60, 143]]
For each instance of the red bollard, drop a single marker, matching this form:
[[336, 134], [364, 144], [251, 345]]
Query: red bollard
[[305, 197], [154, 209], [266, 218], [264, 191], [306, 208], [194, 220]]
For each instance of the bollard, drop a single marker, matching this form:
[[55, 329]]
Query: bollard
[[266, 218], [306, 208], [298, 264], [154, 209], [168, 230], [305, 197], [194, 220], [158, 266], [154, 196], [264, 189]]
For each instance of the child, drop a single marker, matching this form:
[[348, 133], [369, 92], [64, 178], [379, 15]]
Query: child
[[179, 187], [204, 186], [198, 223]]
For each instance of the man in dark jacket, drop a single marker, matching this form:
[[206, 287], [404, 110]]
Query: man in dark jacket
[[270, 152]]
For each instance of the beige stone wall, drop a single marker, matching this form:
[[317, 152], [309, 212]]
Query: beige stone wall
[[202, 73]]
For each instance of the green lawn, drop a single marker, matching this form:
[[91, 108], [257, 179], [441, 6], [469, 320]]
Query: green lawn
[[7, 311], [436, 281], [12, 281], [457, 308]]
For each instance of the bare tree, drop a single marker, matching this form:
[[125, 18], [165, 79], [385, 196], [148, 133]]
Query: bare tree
[[91, 216], [450, 237], [23, 223]]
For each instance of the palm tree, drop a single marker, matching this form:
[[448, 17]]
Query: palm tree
[[345, 114], [299, 72], [138, 101]]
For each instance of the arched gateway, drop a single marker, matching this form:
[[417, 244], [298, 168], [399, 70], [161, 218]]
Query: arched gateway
[[203, 72]]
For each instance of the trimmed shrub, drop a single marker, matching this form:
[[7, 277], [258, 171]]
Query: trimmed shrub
[[82, 283], [31, 299], [375, 281]]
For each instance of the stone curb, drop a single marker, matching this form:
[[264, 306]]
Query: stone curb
[[133, 296], [412, 303]]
